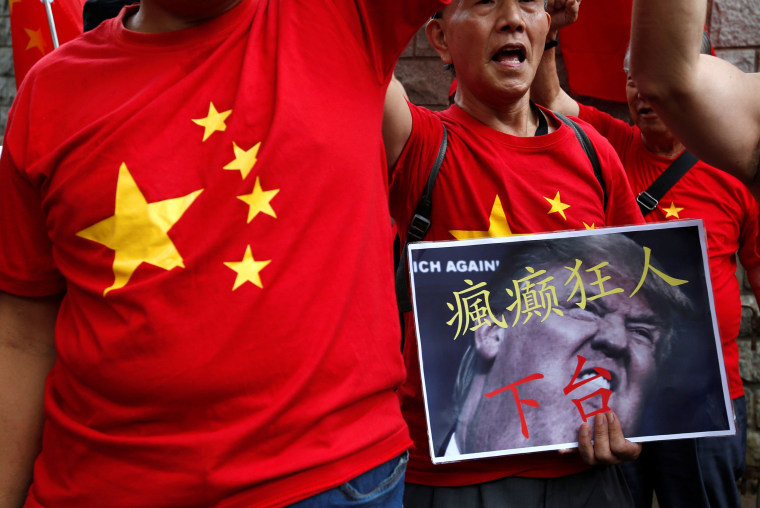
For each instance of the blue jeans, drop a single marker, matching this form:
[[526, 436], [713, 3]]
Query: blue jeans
[[691, 473], [380, 487]]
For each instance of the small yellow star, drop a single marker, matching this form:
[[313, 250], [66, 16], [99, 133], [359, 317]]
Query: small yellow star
[[244, 159], [35, 40], [592, 226], [672, 211], [214, 122], [11, 3], [557, 206], [498, 225], [247, 270], [259, 201], [137, 231]]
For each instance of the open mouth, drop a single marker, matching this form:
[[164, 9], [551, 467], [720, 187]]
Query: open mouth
[[598, 381], [510, 54], [647, 111]]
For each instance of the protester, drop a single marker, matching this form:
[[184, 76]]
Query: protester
[[710, 105], [730, 216], [193, 195], [501, 177]]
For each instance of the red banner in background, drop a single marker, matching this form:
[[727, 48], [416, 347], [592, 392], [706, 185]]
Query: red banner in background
[[594, 47], [30, 32]]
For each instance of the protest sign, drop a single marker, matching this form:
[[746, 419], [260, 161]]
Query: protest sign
[[521, 339]]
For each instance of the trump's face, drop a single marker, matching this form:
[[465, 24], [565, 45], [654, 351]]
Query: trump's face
[[612, 331]]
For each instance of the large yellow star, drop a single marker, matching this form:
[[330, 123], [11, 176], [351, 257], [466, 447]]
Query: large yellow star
[[498, 225], [35, 40], [672, 211], [247, 270], [10, 5], [244, 159], [557, 206], [259, 201], [214, 122], [137, 231]]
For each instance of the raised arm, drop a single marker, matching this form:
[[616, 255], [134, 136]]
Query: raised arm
[[397, 121], [545, 89], [26, 355], [710, 105]]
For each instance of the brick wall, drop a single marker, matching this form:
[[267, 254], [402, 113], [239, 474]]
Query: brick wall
[[7, 81]]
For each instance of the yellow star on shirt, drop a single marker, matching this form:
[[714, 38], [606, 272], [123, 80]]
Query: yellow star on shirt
[[137, 231], [247, 270], [557, 206], [498, 225], [214, 122], [672, 211], [11, 4], [35, 40], [244, 159], [592, 226], [259, 201]]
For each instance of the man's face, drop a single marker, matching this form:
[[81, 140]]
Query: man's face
[[495, 45], [614, 332], [642, 114]]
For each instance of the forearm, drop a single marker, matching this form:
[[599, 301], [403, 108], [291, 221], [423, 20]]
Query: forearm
[[546, 89], [709, 104], [397, 121], [26, 356]]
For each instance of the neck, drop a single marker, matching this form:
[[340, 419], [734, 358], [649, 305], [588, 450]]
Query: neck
[[664, 146], [515, 117], [152, 18]]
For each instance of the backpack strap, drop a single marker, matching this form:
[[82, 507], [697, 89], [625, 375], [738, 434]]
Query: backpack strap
[[650, 198], [588, 147], [418, 227]]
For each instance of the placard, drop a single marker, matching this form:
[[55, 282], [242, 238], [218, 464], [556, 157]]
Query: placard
[[523, 338]]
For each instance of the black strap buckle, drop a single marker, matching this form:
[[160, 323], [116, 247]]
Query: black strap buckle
[[418, 228], [647, 201]]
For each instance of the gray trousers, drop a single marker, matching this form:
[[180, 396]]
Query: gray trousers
[[599, 487]]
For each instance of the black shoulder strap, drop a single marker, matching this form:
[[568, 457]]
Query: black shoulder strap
[[650, 198], [418, 227], [588, 147]]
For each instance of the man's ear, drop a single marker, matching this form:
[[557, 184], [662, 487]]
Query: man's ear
[[436, 36], [487, 341]]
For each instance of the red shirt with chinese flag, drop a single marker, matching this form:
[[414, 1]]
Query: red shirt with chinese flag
[[727, 209], [214, 203], [494, 184]]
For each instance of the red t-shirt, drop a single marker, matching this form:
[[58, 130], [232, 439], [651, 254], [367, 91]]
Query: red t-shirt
[[214, 203], [728, 210], [494, 184]]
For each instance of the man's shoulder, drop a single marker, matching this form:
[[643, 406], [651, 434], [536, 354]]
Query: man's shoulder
[[77, 51], [600, 142]]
